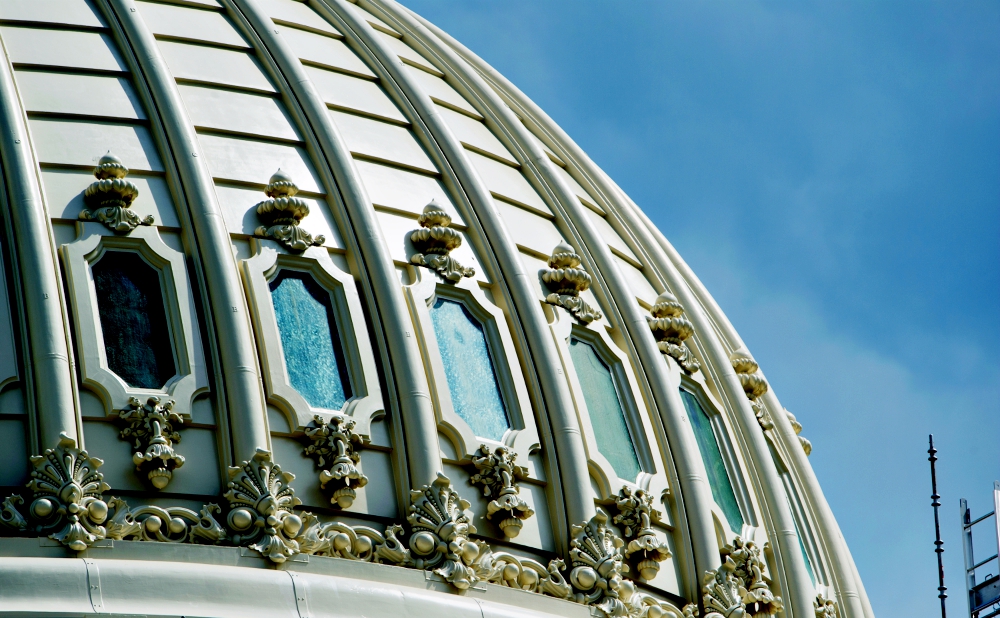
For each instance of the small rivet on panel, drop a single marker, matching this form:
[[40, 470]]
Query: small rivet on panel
[[17, 141], [194, 154]]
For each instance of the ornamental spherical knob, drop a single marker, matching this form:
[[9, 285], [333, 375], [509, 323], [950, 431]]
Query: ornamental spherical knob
[[423, 543], [271, 521], [177, 525], [341, 541], [153, 524], [42, 507], [583, 578], [470, 551], [362, 545], [240, 519], [98, 511], [292, 525]]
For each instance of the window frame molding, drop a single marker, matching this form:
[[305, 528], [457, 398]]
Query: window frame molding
[[190, 381], [365, 403]]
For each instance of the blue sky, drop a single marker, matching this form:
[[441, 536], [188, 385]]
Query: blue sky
[[831, 170]]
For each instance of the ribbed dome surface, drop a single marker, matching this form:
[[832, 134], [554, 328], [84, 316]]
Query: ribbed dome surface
[[309, 287]]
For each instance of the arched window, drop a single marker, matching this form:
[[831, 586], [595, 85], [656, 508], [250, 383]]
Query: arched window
[[311, 346], [718, 476], [133, 321], [469, 369], [606, 412]]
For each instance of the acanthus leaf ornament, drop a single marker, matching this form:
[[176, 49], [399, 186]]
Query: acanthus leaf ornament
[[151, 428], [332, 448], [722, 594], [671, 328], [497, 473], [825, 608], [797, 428], [566, 279], [645, 551], [109, 198], [598, 563], [282, 213], [749, 568], [753, 384], [434, 242], [261, 502]]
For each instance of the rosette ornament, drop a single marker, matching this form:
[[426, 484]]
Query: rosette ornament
[[282, 213], [566, 278], [670, 328], [150, 428], [109, 198], [434, 242], [261, 502], [753, 384], [333, 450], [497, 473], [644, 551]]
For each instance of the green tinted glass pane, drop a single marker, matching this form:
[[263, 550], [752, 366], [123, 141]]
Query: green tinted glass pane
[[313, 356], [133, 321], [606, 414], [468, 367], [718, 477]]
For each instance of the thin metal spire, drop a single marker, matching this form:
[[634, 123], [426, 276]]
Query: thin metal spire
[[938, 543]]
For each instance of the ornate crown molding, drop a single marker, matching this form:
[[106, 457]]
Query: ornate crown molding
[[566, 278], [753, 384], [434, 242], [109, 198], [797, 428], [644, 551], [150, 428], [332, 448], [497, 473], [282, 213], [670, 328]]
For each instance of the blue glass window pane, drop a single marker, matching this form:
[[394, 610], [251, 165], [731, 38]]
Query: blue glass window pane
[[718, 476], [606, 413], [468, 367], [133, 321], [313, 356]]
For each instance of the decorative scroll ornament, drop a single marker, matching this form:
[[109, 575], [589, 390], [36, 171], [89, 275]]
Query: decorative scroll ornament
[[167, 525], [333, 450], [671, 328], [282, 213], [753, 385], [261, 502], [758, 598], [439, 535], [566, 278], [150, 429], [434, 241], [644, 551], [797, 427], [109, 198], [597, 563], [825, 608], [497, 473]]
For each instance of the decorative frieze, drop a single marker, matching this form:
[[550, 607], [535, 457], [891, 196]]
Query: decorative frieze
[[497, 474], [434, 242], [332, 447], [644, 551], [671, 328], [797, 428], [566, 279], [282, 214], [108, 199], [753, 384], [151, 429]]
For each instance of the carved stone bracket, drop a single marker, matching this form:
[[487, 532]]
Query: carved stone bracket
[[151, 429], [753, 384], [109, 198], [797, 427], [434, 241], [566, 278], [261, 502], [644, 551], [333, 450], [497, 473], [670, 328], [825, 608], [282, 213]]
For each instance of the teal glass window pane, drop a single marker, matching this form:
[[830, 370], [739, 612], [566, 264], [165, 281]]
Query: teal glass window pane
[[133, 320], [606, 413], [718, 476], [805, 555], [468, 368], [314, 358]]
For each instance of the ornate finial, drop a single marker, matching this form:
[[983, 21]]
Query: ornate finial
[[261, 502], [498, 474], [670, 328], [281, 214], [333, 449], [749, 567], [109, 198], [150, 429], [566, 278], [753, 385], [597, 561], [825, 608], [797, 428], [435, 240], [645, 551]]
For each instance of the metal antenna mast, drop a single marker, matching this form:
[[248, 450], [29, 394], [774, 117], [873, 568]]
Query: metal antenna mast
[[936, 502]]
